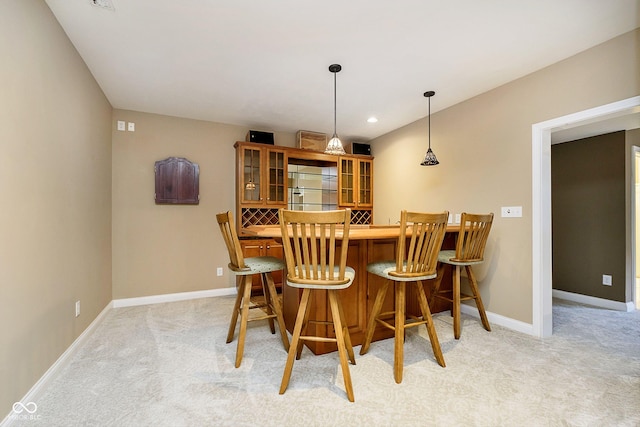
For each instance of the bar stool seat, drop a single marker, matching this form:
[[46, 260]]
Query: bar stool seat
[[261, 264]]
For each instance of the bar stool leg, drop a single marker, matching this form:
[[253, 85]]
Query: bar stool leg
[[302, 309], [244, 317], [236, 308], [476, 295], [398, 356], [436, 287], [266, 292], [375, 311], [275, 303], [456, 302], [431, 330], [305, 325], [342, 350], [345, 333]]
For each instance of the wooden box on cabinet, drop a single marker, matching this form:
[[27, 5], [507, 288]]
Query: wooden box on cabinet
[[262, 247], [311, 140]]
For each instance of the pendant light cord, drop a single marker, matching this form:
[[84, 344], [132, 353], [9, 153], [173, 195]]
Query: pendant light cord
[[335, 114], [429, 120]]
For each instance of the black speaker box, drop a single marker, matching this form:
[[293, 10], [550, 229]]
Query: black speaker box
[[359, 148], [260, 137]]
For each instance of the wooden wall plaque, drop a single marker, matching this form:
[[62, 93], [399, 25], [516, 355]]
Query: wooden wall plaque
[[177, 182]]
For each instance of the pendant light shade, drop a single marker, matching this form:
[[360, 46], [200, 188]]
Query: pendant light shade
[[335, 145], [429, 158]]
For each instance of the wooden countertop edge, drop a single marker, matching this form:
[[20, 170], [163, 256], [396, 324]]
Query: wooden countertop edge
[[357, 232]]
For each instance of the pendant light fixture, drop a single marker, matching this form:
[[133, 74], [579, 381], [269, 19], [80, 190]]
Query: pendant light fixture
[[429, 158], [335, 145]]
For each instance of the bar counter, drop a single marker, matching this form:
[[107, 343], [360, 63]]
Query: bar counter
[[366, 244]]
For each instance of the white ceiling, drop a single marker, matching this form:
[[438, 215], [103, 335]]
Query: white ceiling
[[264, 64]]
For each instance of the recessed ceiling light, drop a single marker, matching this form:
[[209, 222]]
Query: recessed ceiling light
[[372, 120], [105, 4]]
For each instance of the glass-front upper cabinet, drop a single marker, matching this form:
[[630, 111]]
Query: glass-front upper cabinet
[[355, 182], [251, 177], [277, 177], [365, 196], [263, 177], [346, 182]]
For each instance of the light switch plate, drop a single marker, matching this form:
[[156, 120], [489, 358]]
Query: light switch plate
[[121, 125], [132, 127], [511, 211]]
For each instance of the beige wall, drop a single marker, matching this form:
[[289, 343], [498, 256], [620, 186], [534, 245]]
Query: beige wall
[[161, 249], [55, 182], [484, 147]]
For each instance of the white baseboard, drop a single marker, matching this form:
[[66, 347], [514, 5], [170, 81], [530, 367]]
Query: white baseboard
[[597, 302], [182, 296], [507, 322], [36, 391]]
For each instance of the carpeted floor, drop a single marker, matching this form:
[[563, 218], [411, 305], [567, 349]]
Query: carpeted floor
[[169, 365]]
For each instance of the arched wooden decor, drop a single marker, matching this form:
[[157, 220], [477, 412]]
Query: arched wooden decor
[[177, 182]]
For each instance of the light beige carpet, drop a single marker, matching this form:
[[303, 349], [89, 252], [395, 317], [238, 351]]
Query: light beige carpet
[[169, 365]]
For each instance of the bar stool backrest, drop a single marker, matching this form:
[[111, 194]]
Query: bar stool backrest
[[419, 257], [230, 236], [310, 241], [472, 237]]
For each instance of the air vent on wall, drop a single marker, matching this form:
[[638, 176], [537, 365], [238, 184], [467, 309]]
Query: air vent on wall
[[104, 4]]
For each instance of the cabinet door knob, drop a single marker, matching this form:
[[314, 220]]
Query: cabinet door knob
[[268, 247]]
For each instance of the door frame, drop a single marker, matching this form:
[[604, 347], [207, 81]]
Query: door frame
[[635, 224], [541, 202]]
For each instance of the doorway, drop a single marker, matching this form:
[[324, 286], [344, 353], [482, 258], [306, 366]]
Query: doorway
[[541, 202]]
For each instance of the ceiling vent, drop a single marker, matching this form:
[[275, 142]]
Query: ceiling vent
[[104, 4]]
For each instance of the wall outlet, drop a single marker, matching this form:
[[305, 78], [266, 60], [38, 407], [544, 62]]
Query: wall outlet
[[457, 219], [606, 279], [219, 271], [120, 125], [77, 308]]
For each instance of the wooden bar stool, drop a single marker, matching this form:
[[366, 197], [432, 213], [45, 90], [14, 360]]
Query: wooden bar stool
[[414, 263], [244, 269], [470, 244], [314, 264]]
